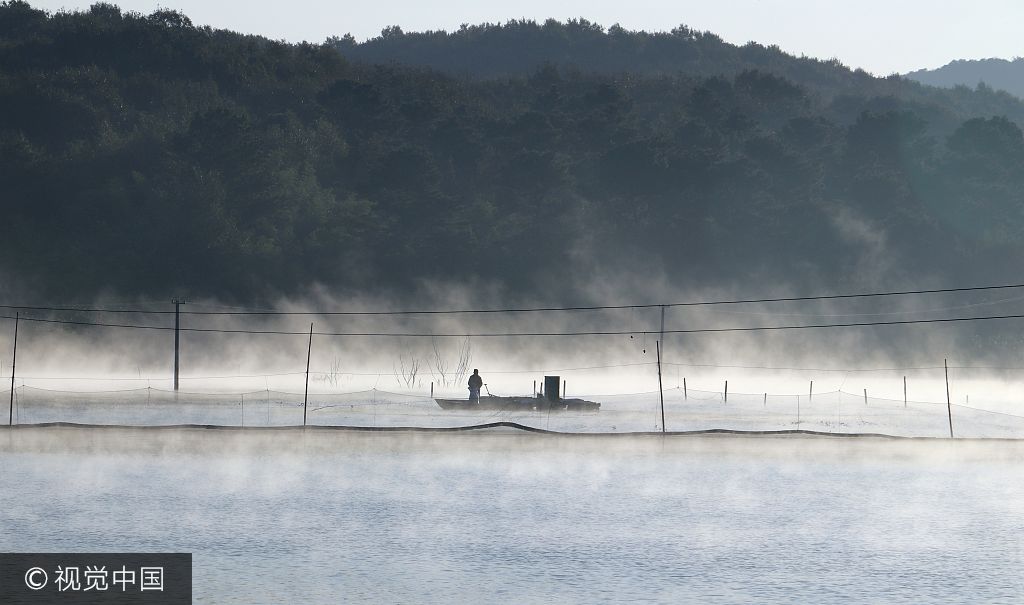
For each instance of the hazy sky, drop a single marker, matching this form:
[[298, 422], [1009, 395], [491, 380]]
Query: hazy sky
[[881, 36]]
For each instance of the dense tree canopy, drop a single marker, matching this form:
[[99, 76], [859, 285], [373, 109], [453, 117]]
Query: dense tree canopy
[[145, 155], [996, 73]]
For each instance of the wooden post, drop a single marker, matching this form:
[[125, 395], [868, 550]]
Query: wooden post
[[949, 406], [865, 396], [725, 393], [684, 388], [810, 392], [177, 337], [431, 389], [534, 389], [904, 391], [766, 400], [661, 393], [14, 363], [177, 340], [305, 397], [563, 390]]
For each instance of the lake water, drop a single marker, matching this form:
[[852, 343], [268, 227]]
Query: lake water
[[321, 515]]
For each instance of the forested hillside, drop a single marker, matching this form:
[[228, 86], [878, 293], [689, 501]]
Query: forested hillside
[[144, 155], [998, 74], [519, 48]]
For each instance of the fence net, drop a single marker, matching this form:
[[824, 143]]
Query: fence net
[[836, 412]]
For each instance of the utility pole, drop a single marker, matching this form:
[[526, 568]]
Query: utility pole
[[14, 362], [309, 353], [949, 405], [178, 301], [661, 392]]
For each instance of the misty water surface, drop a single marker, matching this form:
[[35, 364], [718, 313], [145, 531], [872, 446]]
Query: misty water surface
[[328, 516]]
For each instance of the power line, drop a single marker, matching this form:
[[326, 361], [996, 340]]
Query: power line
[[520, 309], [529, 371], [986, 303], [839, 370], [526, 334], [162, 378], [88, 310], [797, 369]]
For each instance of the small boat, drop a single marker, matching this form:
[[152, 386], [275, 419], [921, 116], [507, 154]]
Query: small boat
[[520, 404]]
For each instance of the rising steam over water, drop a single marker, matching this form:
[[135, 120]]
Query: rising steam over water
[[307, 517], [291, 515]]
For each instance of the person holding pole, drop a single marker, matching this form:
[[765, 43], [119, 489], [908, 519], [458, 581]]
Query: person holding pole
[[475, 382]]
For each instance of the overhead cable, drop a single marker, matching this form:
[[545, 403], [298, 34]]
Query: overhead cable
[[741, 301], [523, 334]]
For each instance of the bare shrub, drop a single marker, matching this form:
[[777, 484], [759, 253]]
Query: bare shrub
[[407, 370], [447, 372]]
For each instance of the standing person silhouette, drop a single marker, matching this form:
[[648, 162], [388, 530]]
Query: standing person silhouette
[[475, 382]]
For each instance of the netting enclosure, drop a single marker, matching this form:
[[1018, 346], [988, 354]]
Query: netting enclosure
[[834, 412]]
